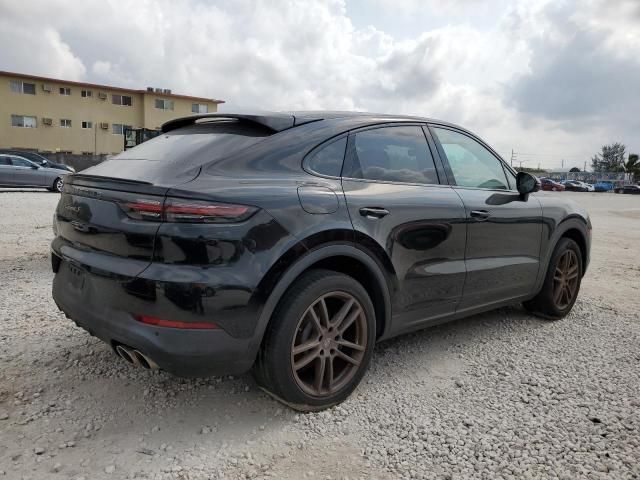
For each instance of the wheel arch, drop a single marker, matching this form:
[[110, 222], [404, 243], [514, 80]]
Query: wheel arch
[[577, 229], [340, 257]]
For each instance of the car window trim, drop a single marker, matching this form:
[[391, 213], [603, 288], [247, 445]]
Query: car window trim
[[447, 166], [348, 160]]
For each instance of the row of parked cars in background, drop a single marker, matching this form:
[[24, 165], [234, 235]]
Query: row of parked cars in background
[[578, 186]]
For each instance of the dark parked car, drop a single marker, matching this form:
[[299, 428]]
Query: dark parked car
[[16, 171], [575, 186], [37, 159], [551, 185], [630, 189], [292, 243]]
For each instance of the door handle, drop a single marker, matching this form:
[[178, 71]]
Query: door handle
[[480, 215], [373, 212]]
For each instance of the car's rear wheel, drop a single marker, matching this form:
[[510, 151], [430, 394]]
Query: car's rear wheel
[[57, 185], [319, 342], [562, 282]]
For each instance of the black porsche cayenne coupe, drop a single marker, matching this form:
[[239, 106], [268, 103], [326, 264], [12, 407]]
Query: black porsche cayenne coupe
[[290, 243]]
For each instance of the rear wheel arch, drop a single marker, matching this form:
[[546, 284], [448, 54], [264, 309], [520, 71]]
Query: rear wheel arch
[[339, 257]]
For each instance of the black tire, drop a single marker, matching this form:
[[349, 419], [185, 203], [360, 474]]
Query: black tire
[[546, 303], [275, 370], [57, 185]]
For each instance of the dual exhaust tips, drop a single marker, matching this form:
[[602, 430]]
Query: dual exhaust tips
[[136, 357]]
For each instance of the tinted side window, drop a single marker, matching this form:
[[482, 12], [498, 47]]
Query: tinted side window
[[328, 159], [4, 161], [20, 162], [396, 154], [471, 163]]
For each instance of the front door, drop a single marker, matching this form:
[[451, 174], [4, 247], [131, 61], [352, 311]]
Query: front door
[[503, 229], [6, 170], [402, 214], [25, 172]]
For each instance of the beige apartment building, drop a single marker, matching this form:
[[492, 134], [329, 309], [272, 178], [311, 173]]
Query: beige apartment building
[[52, 115]]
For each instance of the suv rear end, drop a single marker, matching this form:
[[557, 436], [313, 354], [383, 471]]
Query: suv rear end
[[166, 276]]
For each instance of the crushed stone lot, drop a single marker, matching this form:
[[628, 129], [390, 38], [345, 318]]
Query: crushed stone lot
[[498, 395]]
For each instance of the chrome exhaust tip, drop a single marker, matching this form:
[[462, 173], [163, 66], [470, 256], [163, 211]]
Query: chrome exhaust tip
[[127, 355], [144, 361]]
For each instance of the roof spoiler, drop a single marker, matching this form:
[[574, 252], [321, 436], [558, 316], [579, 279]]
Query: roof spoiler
[[273, 120]]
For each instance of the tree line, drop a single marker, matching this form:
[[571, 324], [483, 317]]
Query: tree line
[[613, 158]]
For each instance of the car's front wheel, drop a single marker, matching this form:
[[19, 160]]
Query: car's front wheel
[[319, 342], [562, 282], [58, 184]]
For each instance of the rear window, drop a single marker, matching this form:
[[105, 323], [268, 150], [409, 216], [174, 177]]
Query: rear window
[[175, 154]]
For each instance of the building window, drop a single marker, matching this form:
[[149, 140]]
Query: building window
[[23, 121], [121, 100], [118, 129], [86, 93], [65, 122], [199, 108], [87, 124], [164, 104], [18, 86], [65, 91]]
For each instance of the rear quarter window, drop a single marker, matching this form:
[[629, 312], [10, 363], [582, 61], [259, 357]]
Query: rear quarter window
[[327, 160]]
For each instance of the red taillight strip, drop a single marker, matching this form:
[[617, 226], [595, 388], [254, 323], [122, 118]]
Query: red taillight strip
[[186, 211], [158, 322], [150, 207], [207, 210]]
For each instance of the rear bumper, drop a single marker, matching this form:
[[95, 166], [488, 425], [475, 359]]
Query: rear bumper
[[104, 305]]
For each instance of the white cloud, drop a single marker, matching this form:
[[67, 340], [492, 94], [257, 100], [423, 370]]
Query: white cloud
[[500, 78]]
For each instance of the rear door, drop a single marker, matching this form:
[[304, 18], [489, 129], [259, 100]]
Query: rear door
[[503, 229], [400, 211]]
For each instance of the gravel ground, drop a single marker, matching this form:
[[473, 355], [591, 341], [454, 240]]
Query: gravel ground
[[499, 395]]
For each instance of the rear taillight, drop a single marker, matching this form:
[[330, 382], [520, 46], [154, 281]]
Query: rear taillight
[[185, 211], [143, 209], [177, 210]]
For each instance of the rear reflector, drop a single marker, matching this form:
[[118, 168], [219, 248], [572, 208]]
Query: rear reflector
[[185, 211], [158, 322]]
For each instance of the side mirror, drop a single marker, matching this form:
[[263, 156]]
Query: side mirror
[[527, 183], [35, 167]]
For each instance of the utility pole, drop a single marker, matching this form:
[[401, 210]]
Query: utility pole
[[585, 167], [563, 163], [512, 156]]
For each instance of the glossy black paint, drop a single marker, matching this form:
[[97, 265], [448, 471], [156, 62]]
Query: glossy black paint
[[425, 253]]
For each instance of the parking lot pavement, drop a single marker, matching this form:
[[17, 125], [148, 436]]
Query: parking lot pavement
[[499, 395]]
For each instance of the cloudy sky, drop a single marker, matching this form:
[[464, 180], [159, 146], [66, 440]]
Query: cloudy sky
[[550, 79]]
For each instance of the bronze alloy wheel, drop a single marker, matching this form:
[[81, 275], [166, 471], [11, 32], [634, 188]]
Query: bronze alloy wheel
[[565, 279], [329, 344]]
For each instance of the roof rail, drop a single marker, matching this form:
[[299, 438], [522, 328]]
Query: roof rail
[[275, 121]]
